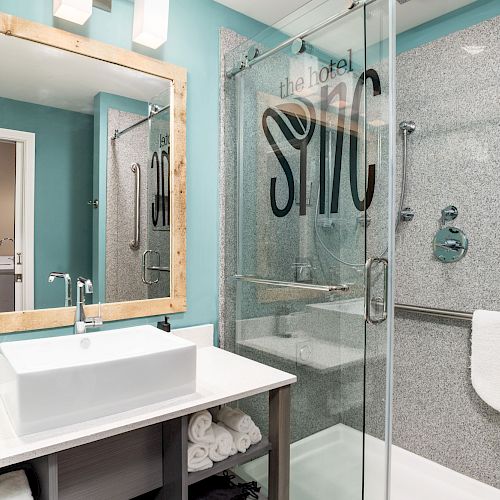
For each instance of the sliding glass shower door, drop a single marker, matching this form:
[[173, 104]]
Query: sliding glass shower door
[[313, 184]]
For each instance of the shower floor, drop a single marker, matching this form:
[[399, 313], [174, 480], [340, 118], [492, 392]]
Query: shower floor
[[327, 465]]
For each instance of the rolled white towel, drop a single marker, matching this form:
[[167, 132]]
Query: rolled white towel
[[235, 419], [254, 434], [221, 448], [14, 486], [206, 463], [241, 441], [197, 456], [200, 428]]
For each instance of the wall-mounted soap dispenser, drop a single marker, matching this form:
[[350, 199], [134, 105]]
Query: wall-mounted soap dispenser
[[450, 243]]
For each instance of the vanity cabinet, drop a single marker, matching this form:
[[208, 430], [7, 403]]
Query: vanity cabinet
[[131, 453], [154, 458], [115, 468]]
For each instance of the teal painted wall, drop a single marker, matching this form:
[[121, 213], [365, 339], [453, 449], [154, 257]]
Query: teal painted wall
[[192, 43], [102, 102], [63, 186]]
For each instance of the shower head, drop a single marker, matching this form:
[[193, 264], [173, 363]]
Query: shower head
[[407, 126]]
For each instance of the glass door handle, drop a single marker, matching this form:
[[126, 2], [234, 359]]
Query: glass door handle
[[368, 289], [146, 267]]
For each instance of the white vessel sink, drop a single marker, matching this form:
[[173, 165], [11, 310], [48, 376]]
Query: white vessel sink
[[59, 381]]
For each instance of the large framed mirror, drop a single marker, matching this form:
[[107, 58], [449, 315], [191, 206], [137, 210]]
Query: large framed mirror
[[92, 179]]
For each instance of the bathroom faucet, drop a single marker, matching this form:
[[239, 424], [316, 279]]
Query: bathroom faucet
[[84, 286], [68, 300]]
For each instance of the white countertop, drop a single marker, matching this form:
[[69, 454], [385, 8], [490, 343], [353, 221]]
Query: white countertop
[[221, 377]]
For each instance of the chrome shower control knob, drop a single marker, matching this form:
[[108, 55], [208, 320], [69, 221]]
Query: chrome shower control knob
[[448, 214], [407, 126], [407, 214]]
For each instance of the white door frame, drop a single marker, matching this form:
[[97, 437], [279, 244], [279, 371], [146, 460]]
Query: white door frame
[[24, 259]]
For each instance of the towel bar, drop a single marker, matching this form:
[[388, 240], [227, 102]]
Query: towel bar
[[292, 284], [430, 311]]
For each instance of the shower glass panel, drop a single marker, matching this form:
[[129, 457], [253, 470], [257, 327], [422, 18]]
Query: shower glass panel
[[313, 197], [138, 195], [158, 205]]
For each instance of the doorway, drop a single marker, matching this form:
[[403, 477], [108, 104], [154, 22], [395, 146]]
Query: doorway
[[17, 181]]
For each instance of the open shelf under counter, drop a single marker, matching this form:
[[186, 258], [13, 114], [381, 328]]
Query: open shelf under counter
[[255, 451]]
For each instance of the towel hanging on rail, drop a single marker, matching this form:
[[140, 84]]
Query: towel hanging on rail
[[485, 357]]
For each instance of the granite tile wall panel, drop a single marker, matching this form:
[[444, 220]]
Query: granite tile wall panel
[[453, 96], [437, 413], [123, 265]]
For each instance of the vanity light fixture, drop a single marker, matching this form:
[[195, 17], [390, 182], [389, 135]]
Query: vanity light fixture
[[150, 22], [75, 11]]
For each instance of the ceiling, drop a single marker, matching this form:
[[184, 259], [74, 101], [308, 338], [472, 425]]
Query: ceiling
[[410, 13], [48, 76]]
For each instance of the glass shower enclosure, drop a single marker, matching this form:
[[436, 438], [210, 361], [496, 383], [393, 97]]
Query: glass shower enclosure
[[310, 129]]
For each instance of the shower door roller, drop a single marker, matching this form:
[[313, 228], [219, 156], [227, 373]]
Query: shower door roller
[[368, 289]]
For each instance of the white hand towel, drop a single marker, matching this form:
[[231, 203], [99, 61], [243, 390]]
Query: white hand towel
[[14, 486], [235, 419], [485, 358], [254, 434], [221, 448], [241, 441], [200, 428], [197, 455], [206, 463]]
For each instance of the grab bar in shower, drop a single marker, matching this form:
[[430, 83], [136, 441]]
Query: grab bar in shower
[[292, 284], [136, 170], [430, 311]]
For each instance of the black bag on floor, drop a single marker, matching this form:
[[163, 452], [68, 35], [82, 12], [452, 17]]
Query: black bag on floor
[[223, 487]]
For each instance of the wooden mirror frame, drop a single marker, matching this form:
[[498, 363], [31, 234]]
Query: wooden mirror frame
[[18, 321]]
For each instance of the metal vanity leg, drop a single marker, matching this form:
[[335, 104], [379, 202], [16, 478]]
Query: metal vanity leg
[[279, 436], [175, 473]]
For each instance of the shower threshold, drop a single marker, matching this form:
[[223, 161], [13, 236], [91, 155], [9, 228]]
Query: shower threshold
[[330, 462]]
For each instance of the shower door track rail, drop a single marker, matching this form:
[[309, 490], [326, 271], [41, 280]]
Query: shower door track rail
[[430, 311], [292, 284], [152, 114], [356, 4]]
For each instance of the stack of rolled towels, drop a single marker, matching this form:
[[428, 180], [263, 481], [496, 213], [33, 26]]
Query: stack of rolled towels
[[213, 437]]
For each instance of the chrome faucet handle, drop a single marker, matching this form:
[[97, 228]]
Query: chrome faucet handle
[[452, 245], [97, 320], [68, 300], [448, 214], [87, 283]]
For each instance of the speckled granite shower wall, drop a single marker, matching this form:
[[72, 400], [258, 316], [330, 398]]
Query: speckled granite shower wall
[[449, 87]]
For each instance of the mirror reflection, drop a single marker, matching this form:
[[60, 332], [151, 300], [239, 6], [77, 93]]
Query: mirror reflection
[[84, 179]]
